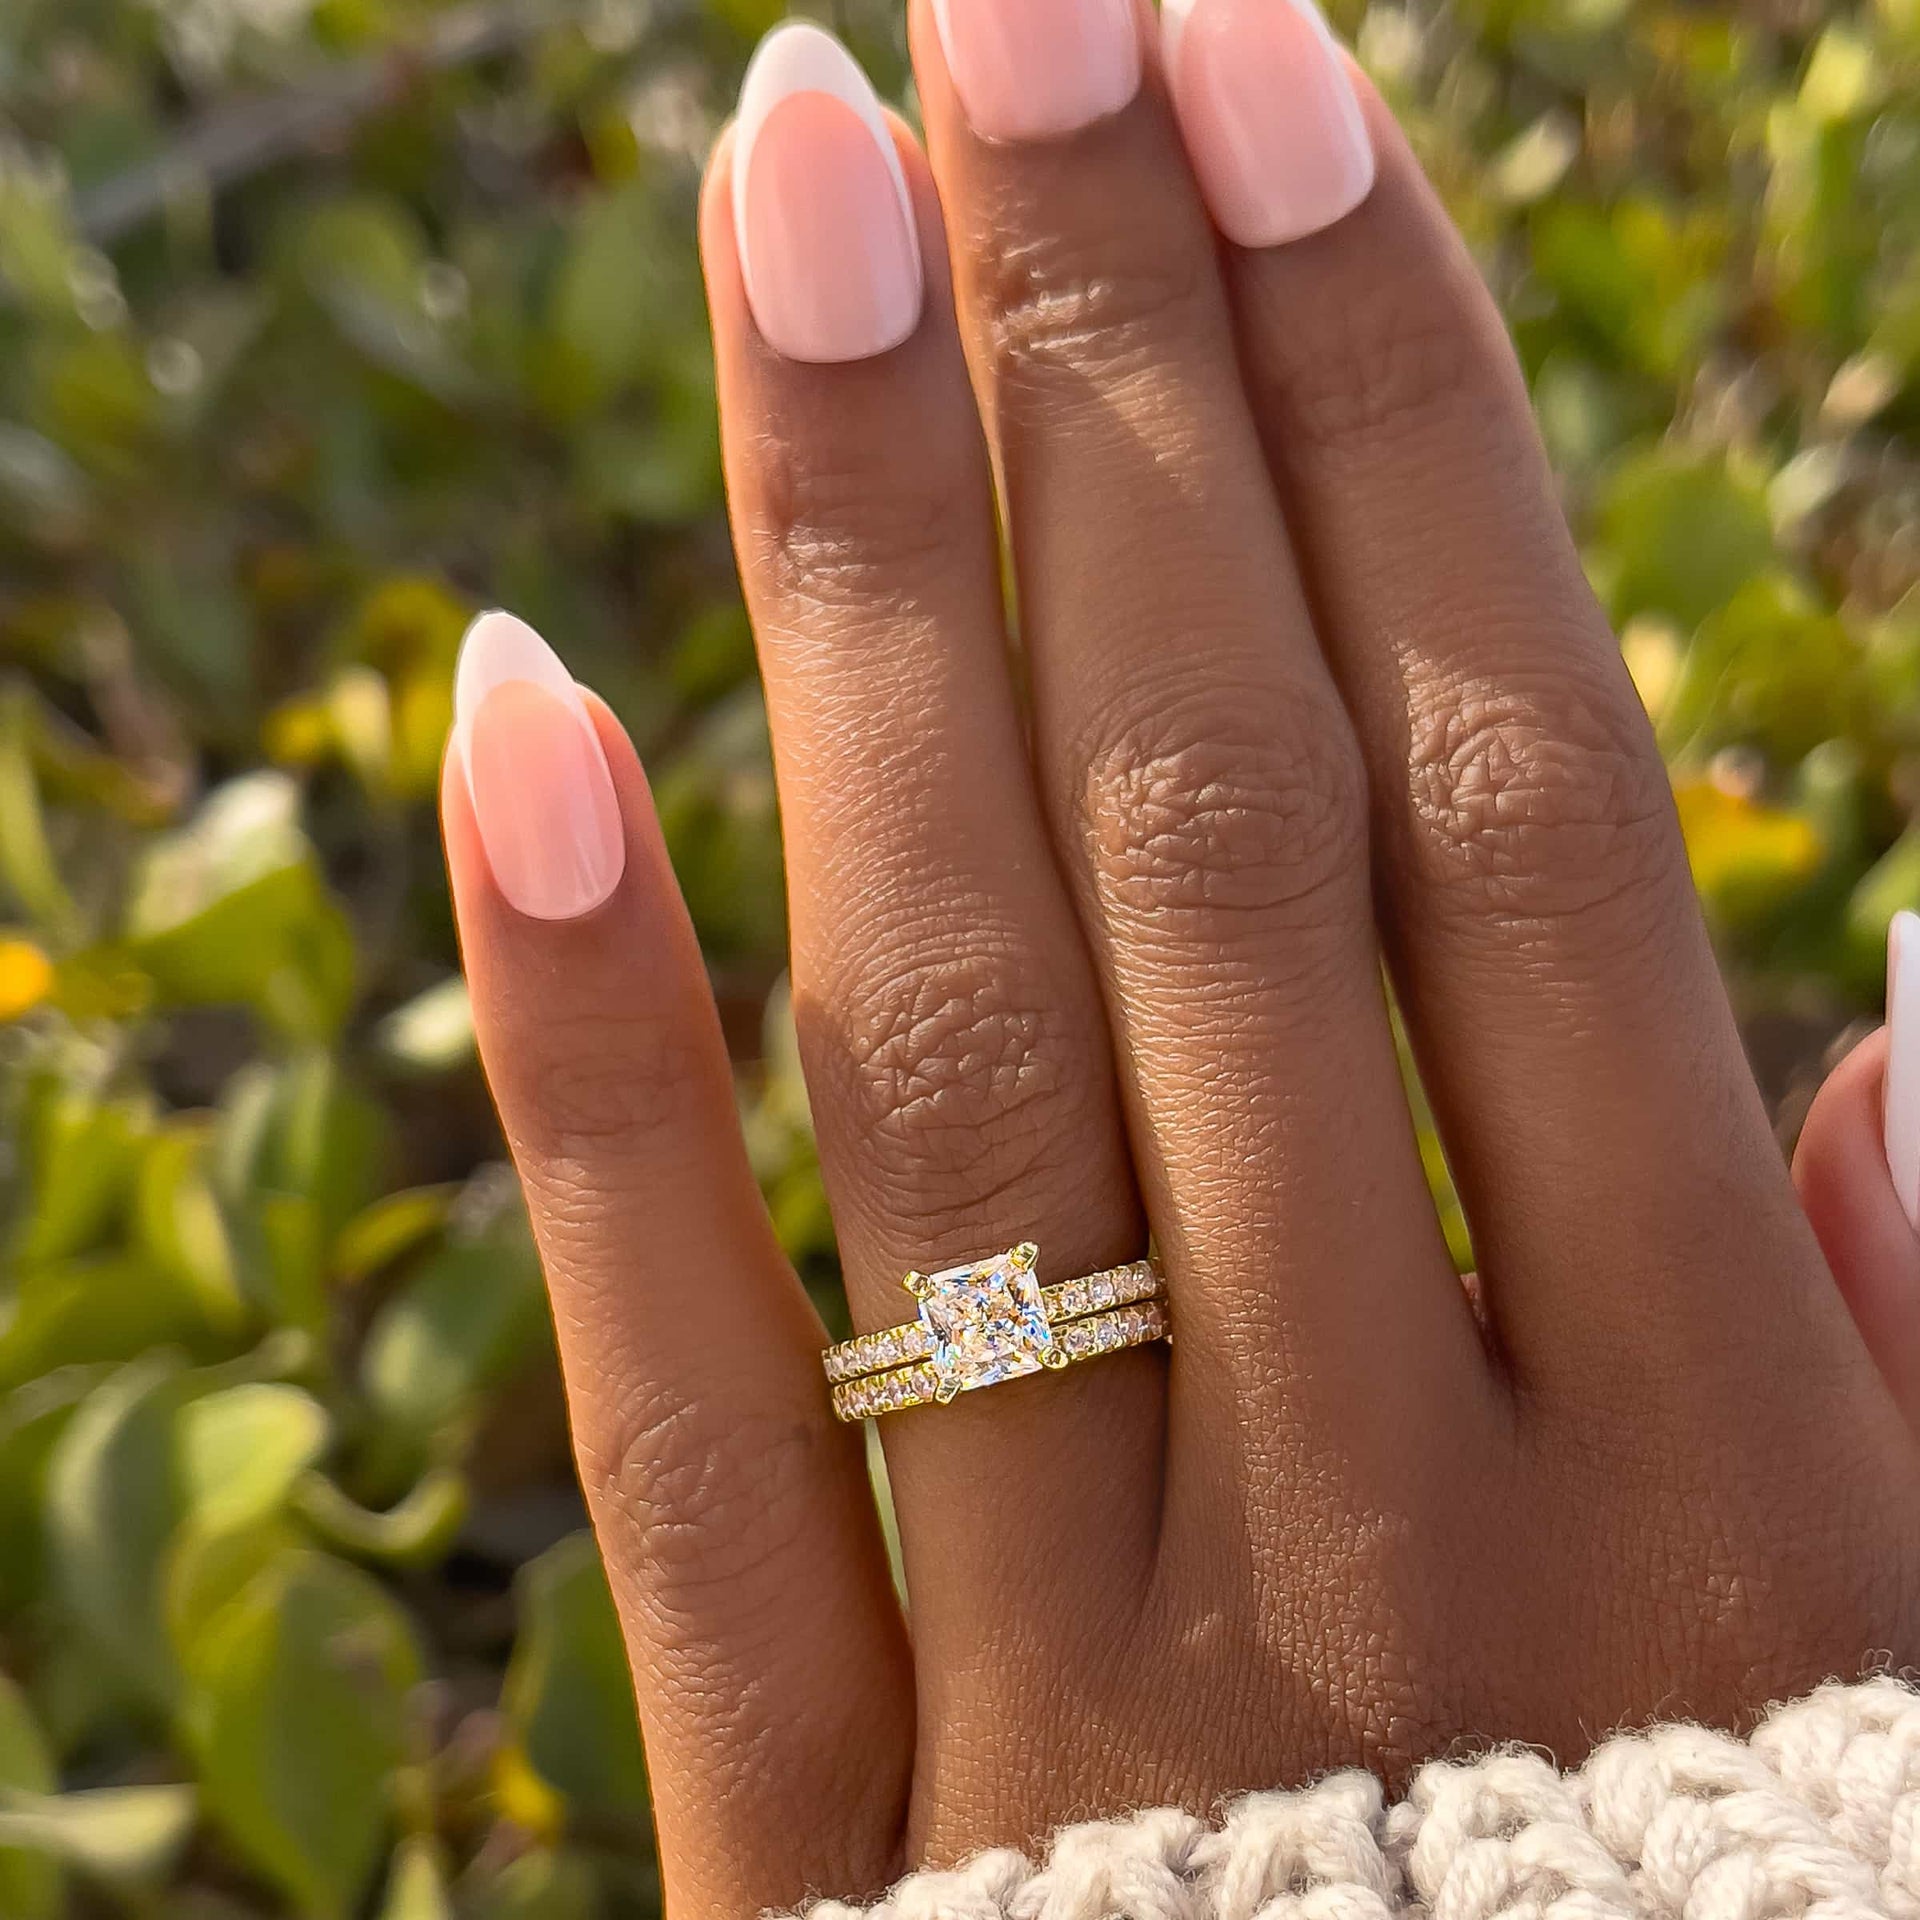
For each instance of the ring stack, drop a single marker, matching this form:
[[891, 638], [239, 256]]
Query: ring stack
[[991, 1320]]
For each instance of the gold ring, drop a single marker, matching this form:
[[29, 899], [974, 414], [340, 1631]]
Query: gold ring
[[987, 1321]]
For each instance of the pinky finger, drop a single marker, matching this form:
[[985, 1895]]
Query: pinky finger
[[769, 1657]]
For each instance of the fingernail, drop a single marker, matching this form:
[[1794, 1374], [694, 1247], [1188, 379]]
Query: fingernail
[[1270, 117], [1036, 69], [1902, 1115], [542, 793], [825, 225]]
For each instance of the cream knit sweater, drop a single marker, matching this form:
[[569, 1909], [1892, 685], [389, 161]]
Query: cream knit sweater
[[1816, 1817]]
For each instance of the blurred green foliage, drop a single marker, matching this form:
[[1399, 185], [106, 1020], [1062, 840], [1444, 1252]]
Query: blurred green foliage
[[324, 323]]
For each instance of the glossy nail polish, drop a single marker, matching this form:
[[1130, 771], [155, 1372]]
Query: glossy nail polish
[[823, 219], [1270, 118], [1902, 1113], [1037, 69], [542, 794]]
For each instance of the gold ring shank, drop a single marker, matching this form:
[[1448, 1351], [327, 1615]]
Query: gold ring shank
[[903, 1346], [874, 1394]]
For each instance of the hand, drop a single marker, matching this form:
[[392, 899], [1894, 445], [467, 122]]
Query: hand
[[1316, 683]]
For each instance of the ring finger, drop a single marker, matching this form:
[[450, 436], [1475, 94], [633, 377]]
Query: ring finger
[[1200, 774]]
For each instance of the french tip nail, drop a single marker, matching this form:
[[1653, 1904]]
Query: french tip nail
[[828, 242], [800, 56], [497, 647], [536, 772]]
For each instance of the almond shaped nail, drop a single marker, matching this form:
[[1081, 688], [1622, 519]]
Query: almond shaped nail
[[536, 773], [829, 244]]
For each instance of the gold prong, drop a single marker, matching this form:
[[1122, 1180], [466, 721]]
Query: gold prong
[[1055, 1359], [1026, 1256], [947, 1392], [917, 1285]]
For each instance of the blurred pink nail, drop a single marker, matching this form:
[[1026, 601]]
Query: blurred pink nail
[[1270, 117], [1903, 1062], [824, 222], [1035, 69], [542, 793]]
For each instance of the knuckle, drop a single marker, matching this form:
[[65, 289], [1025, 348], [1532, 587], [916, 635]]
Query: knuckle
[[1053, 307], [955, 1081], [1196, 814], [1376, 366], [1543, 803], [711, 1496], [845, 533], [598, 1077]]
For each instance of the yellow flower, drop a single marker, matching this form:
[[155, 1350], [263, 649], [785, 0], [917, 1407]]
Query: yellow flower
[[26, 978]]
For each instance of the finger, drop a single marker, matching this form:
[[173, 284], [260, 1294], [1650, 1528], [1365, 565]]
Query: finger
[[1572, 1026], [769, 1658], [1858, 1172], [961, 1079], [1202, 781]]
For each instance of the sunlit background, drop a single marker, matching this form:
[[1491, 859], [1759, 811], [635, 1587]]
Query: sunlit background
[[324, 323]]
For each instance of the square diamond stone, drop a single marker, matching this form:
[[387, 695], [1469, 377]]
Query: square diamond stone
[[985, 1323]]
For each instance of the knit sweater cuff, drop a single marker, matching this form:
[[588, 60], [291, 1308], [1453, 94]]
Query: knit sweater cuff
[[1816, 1816]]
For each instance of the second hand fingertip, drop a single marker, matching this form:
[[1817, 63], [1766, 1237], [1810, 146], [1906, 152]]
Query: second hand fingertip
[[1902, 1108], [536, 774]]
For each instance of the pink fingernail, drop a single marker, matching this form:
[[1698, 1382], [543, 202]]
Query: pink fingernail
[[1270, 117], [542, 793], [1902, 1115], [1036, 69], [825, 225]]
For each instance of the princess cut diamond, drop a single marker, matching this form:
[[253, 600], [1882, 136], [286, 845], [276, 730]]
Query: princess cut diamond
[[986, 1322]]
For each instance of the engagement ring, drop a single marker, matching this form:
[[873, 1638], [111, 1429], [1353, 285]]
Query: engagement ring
[[987, 1321]]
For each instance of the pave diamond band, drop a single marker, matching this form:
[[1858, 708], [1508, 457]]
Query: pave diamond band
[[874, 1394], [991, 1320]]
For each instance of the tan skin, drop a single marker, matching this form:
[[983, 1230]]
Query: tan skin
[[1315, 681]]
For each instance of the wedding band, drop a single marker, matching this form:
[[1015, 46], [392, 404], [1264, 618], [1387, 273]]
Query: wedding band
[[988, 1321]]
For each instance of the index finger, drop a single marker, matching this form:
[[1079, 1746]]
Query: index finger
[[769, 1657]]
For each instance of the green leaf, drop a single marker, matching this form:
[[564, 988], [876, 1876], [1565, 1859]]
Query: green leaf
[[473, 1314], [80, 1153], [232, 910], [295, 1149], [433, 1032], [1683, 535], [210, 1566], [243, 1451], [298, 1716], [1770, 668], [153, 1457], [32, 1419], [110, 1307], [183, 1231], [113, 1501], [121, 1835], [27, 869], [386, 1232], [568, 1696], [30, 1878]]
